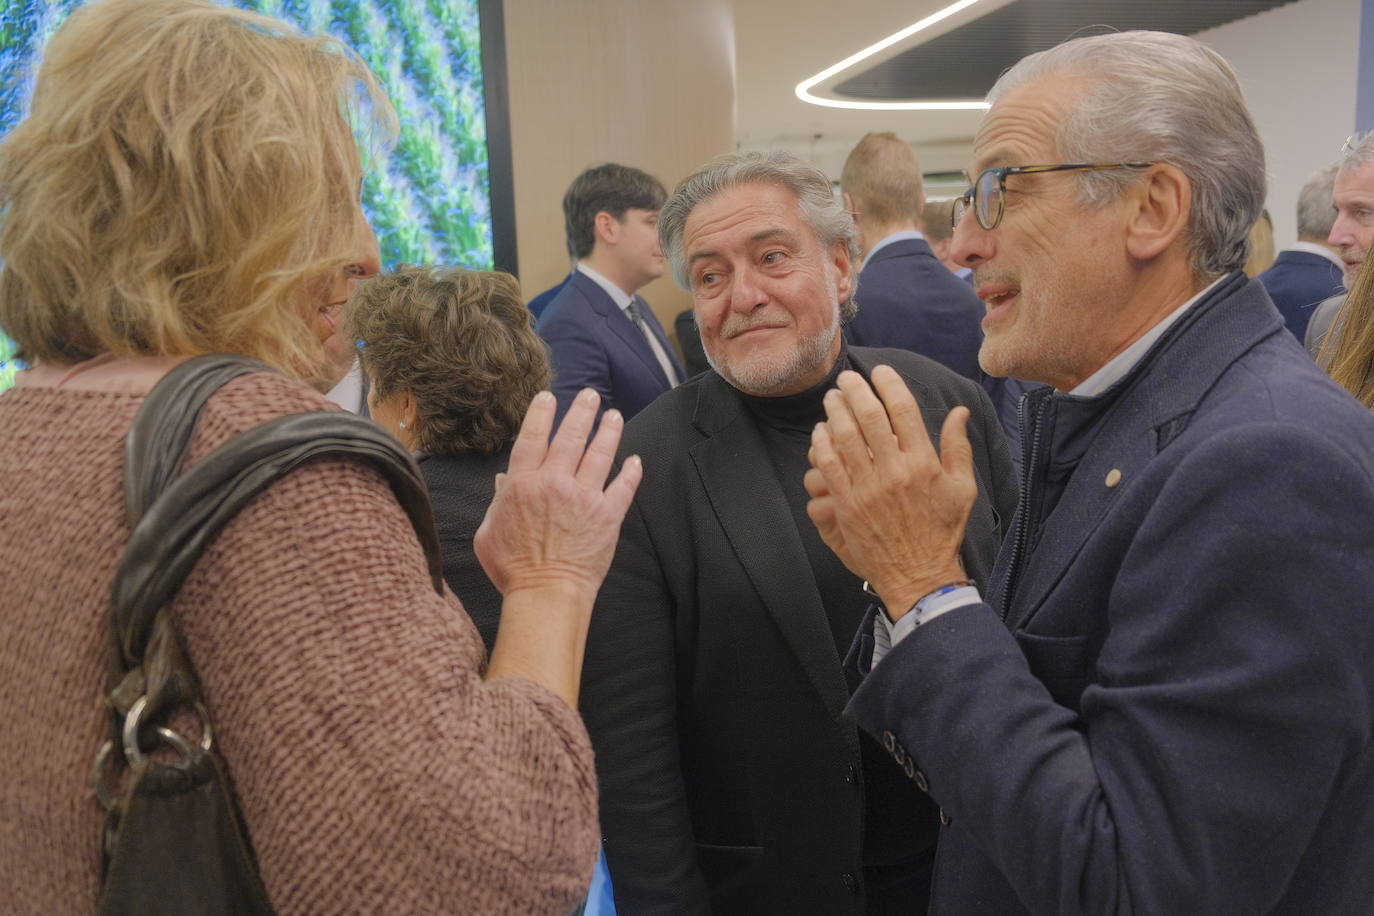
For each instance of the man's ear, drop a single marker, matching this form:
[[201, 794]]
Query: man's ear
[[607, 227], [1159, 206], [844, 271], [848, 203], [409, 408]]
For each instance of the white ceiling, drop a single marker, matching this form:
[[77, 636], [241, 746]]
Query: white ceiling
[[779, 43]]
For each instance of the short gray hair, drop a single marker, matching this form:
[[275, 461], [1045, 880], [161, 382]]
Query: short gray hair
[[1358, 150], [1159, 97], [1316, 212], [823, 212]]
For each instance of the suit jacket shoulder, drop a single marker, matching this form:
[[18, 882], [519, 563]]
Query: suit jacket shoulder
[[593, 344], [908, 299]]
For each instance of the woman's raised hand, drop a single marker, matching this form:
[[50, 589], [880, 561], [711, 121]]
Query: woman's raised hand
[[554, 521]]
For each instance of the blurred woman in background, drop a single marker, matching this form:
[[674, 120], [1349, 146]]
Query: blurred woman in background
[[452, 360], [1349, 352], [187, 183]]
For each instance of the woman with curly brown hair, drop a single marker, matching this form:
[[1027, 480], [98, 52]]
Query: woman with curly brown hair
[[452, 359], [187, 184]]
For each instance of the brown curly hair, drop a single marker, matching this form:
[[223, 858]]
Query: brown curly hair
[[464, 344]]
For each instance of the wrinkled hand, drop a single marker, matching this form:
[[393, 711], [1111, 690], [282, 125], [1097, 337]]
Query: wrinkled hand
[[554, 522], [891, 508]]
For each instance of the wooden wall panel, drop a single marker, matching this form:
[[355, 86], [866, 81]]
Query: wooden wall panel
[[648, 83]]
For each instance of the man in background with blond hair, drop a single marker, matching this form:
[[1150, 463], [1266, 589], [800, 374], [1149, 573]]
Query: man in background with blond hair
[[939, 235], [906, 297]]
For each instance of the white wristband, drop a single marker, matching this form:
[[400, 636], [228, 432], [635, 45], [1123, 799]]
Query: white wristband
[[931, 606]]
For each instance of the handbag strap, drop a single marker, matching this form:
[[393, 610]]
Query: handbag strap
[[175, 521], [156, 445]]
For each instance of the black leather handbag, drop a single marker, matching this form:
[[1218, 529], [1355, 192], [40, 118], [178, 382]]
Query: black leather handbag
[[174, 839]]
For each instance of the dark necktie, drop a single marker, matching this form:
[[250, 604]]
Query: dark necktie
[[637, 317]]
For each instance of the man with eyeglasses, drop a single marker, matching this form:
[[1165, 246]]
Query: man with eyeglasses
[[1163, 702], [1352, 233]]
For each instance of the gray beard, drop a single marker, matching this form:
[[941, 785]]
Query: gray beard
[[766, 378]]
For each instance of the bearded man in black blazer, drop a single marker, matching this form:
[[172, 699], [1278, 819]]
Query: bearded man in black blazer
[[713, 685]]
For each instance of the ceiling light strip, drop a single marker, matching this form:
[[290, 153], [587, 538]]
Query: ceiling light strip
[[803, 89]]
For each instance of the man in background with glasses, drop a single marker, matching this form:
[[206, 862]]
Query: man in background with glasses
[[1352, 233], [1163, 701]]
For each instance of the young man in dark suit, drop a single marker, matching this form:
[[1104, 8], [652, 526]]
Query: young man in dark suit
[[906, 297], [600, 334], [1165, 704], [713, 684]]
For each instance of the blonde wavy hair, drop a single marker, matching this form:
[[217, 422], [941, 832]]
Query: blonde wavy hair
[[1348, 352], [185, 183]]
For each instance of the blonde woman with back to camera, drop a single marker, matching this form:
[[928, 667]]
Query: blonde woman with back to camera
[[187, 183]]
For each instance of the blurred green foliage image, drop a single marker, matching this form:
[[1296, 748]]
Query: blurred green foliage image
[[429, 200]]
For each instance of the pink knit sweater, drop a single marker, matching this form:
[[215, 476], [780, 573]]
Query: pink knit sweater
[[377, 772]]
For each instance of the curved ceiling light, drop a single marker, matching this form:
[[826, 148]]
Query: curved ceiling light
[[803, 89]]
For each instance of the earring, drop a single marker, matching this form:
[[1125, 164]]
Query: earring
[[401, 423]]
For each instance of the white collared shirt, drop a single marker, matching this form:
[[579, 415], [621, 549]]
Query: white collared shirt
[[894, 237], [622, 300], [1116, 367]]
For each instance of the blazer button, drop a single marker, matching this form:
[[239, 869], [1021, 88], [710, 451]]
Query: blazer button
[[851, 774], [910, 768], [850, 882], [921, 781], [944, 818], [889, 741], [900, 755]]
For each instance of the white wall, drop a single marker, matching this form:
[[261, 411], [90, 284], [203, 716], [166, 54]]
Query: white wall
[[1299, 67], [647, 83]]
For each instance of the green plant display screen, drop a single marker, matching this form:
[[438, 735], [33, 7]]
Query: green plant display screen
[[430, 201]]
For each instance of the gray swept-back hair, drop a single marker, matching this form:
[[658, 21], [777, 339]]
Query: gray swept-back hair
[[1358, 150], [1316, 212], [1159, 97], [823, 212]]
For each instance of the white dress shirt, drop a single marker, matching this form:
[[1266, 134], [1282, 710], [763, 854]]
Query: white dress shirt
[[623, 299]]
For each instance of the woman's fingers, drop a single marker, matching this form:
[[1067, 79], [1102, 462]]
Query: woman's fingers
[[532, 442], [622, 489], [565, 451], [600, 454]]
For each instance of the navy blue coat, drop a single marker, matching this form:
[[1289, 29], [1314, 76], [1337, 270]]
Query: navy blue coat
[[1177, 713], [909, 300], [594, 344], [539, 303], [1298, 282]]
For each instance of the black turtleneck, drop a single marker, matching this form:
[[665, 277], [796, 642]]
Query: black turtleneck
[[899, 823], [786, 424]]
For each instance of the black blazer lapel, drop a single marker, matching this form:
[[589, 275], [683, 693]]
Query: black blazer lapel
[[736, 475]]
